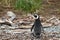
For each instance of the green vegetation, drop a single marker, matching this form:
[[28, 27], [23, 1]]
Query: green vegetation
[[28, 5], [24, 5]]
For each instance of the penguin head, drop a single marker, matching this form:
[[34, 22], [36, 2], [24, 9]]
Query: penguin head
[[36, 16]]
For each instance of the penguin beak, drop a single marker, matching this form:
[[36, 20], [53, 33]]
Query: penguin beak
[[33, 16]]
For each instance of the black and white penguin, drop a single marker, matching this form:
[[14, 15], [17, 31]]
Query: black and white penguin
[[37, 27]]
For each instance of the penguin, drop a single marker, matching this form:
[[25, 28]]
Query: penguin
[[36, 27]]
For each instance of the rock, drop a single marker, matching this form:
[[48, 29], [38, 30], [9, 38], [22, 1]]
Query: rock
[[12, 15]]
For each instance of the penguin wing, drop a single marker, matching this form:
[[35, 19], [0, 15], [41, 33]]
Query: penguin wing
[[32, 27]]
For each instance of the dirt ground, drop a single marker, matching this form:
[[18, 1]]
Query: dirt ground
[[49, 8]]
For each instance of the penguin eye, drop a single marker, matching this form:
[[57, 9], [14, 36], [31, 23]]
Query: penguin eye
[[35, 16]]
